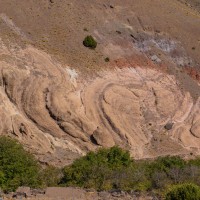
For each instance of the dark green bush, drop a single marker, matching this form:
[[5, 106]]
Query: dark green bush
[[114, 169], [185, 191], [195, 162], [97, 170], [168, 162], [90, 42], [17, 167], [107, 59], [50, 176]]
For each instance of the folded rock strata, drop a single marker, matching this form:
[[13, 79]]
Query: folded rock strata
[[59, 115]]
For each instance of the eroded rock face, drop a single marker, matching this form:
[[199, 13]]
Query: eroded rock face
[[59, 115]]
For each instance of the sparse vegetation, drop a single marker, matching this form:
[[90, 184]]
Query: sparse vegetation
[[119, 32], [90, 42], [114, 169], [107, 59], [107, 169], [183, 192], [50, 176], [85, 29]]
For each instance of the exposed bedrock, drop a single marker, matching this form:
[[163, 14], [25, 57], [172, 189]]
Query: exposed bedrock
[[58, 115]]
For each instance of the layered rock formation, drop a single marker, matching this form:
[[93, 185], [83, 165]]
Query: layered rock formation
[[59, 114]]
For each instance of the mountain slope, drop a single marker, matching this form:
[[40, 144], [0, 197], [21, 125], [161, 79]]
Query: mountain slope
[[61, 99]]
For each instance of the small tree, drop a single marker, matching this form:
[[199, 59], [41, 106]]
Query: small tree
[[96, 170], [17, 167], [90, 42], [185, 191], [50, 176]]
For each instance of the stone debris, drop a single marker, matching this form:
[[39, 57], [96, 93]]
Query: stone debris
[[155, 58]]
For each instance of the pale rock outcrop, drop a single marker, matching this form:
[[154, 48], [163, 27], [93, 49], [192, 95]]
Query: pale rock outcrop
[[58, 114]]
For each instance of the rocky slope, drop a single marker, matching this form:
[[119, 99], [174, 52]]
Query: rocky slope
[[62, 101]]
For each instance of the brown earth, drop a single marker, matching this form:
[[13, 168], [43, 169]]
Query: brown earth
[[62, 100], [194, 4], [69, 193]]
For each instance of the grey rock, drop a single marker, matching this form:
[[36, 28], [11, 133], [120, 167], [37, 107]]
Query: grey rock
[[155, 59]]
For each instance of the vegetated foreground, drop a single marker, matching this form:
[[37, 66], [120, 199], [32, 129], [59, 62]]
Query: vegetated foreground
[[110, 169]]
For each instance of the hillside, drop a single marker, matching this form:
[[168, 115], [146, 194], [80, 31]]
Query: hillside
[[61, 99]]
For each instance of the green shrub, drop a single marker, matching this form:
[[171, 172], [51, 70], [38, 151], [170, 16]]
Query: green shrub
[[185, 191], [195, 162], [90, 42], [17, 167], [117, 158], [165, 163], [107, 59], [50, 176], [96, 170]]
